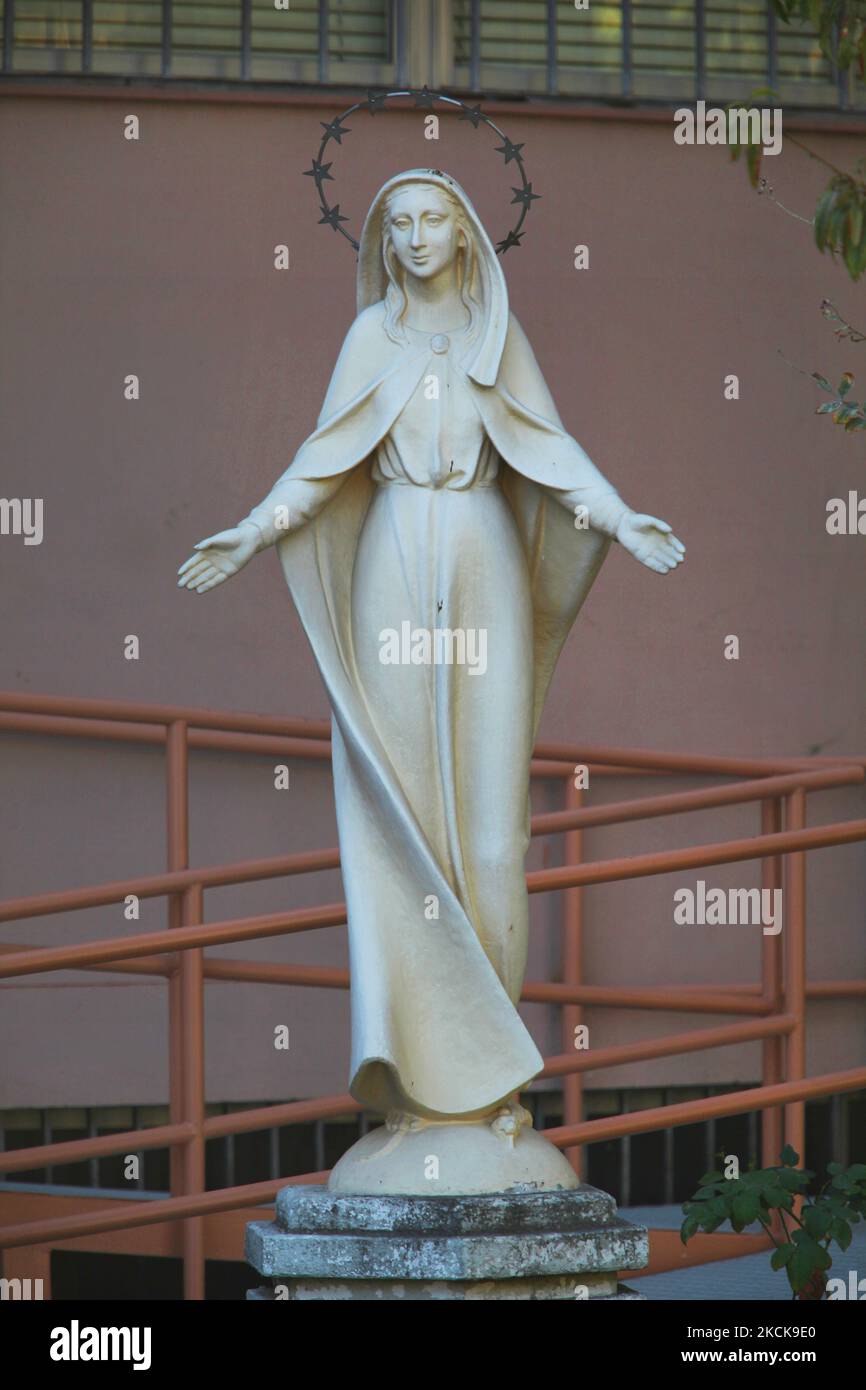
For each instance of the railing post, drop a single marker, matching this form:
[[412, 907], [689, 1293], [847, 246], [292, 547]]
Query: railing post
[[772, 1049], [192, 997], [795, 970], [572, 974], [177, 831]]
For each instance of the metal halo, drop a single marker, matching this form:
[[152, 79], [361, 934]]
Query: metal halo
[[424, 99]]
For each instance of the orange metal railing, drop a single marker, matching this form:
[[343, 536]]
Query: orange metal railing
[[773, 1011]]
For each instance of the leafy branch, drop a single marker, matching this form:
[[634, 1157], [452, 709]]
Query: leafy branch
[[840, 216], [768, 1195]]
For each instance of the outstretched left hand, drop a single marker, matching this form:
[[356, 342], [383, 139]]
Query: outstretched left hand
[[651, 541]]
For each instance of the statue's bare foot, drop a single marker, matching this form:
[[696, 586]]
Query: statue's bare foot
[[509, 1119], [402, 1121]]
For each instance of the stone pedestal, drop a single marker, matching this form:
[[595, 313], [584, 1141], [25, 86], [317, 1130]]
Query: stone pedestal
[[499, 1245]]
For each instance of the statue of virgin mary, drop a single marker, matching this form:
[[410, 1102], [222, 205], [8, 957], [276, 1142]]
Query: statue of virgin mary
[[439, 510]]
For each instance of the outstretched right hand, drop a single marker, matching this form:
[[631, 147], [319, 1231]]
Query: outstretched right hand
[[218, 557]]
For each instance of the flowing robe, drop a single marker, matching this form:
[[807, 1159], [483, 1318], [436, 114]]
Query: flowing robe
[[448, 509]]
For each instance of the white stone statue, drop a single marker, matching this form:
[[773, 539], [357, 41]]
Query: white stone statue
[[438, 533]]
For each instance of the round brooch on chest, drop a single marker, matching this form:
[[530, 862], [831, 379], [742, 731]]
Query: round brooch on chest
[[440, 342]]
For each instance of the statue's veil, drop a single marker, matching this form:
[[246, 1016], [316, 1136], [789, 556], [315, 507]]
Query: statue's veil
[[488, 287]]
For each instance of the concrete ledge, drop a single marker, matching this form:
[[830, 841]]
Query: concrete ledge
[[533, 1245]]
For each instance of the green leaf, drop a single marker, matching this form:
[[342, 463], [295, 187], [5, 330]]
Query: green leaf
[[689, 1228], [790, 1157], [782, 1255], [746, 1207], [828, 408], [794, 1179], [817, 1221], [843, 1183], [822, 218], [822, 381], [841, 1232], [846, 383], [799, 1270]]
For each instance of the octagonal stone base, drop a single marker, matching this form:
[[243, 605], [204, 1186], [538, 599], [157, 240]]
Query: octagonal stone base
[[493, 1246]]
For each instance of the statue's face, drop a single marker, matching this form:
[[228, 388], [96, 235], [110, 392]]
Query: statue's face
[[424, 231]]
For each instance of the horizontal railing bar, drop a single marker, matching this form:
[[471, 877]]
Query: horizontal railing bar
[[174, 938], [334, 914], [290, 1112], [683, 999], [259, 745], [234, 1122], [145, 965], [708, 1108], [835, 989], [15, 701], [60, 1228], [590, 1131], [546, 767], [702, 798], [47, 958], [116, 731], [675, 999], [639, 759], [172, 881], [647, 1049], [696, 857], [679, 998], [71, 1150], [273, 973], [689, 762]]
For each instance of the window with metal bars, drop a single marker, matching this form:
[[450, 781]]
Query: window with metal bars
[[311, 41], [632, 50], [643, 50]]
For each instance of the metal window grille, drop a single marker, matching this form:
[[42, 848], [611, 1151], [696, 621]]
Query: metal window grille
[[624, 50]]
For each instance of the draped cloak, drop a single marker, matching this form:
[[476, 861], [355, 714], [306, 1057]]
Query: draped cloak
[[419, 994]]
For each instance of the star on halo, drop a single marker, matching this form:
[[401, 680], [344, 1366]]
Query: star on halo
[[525, 196], [319, 172], [333, 217], [509, 150], [471, 113], [513, 239], [335, 130]]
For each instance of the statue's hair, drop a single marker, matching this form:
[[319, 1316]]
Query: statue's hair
[[396, 299]]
